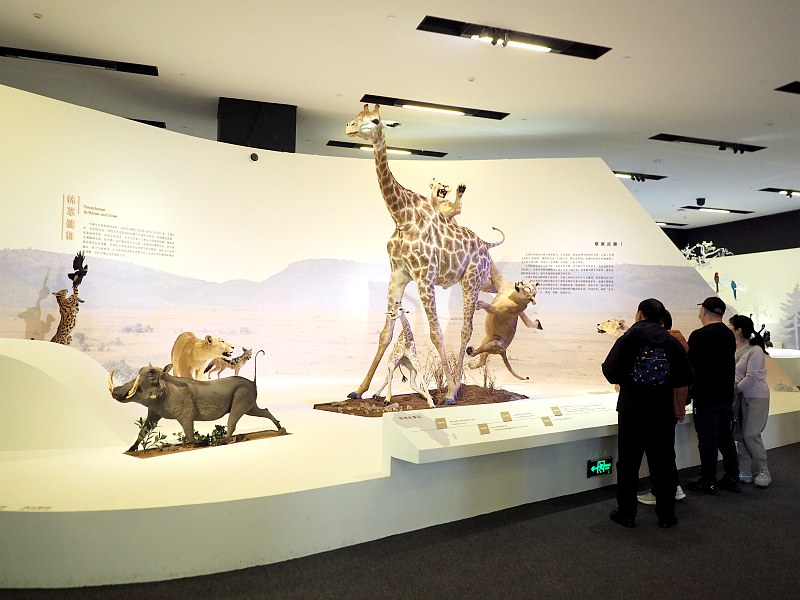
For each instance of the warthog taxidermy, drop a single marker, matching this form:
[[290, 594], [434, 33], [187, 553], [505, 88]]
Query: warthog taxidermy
[[187, 400]]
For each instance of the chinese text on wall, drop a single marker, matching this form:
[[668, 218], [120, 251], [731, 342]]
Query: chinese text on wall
[[570, 272]]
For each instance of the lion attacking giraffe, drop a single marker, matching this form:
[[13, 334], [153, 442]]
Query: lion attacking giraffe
[[427, 248], [443, 199]]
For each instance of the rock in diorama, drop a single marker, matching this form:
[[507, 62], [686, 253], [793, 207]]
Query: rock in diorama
[[187, 400], [427, 248]]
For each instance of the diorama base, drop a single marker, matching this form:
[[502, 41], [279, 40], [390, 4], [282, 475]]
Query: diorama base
[[167, 449], [469, 395], [75, 510], [95, 516]]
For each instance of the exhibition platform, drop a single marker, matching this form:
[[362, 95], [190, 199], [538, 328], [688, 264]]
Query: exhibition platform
[[77, 511]]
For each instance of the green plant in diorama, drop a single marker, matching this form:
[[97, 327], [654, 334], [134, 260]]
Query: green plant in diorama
[[150, 438], [214, 438]]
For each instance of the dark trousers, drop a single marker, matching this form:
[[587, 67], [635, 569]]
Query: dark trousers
[[652, 435], [714, 426]]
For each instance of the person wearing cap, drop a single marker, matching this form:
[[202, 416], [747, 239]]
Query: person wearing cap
[[712, 351], [653, 374]]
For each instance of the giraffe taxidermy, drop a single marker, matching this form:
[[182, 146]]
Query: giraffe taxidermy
[[403, 354], [427, 248]]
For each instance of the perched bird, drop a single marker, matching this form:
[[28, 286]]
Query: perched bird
[[80, 270]]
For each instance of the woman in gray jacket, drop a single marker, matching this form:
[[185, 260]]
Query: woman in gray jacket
[[751, 406]]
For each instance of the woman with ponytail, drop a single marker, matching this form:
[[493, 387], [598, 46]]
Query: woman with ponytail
[[752, 402]]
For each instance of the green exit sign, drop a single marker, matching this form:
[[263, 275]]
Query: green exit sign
[[599, 466]]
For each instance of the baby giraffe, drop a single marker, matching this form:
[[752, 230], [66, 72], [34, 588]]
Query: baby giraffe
[[404, 354]]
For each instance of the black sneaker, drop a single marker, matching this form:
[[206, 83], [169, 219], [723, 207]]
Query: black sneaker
[[618, 517], [702, 486], [732, 485], [668, 522]]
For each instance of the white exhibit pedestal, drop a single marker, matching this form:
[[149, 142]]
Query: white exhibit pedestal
[[89, 514], [424, 436]]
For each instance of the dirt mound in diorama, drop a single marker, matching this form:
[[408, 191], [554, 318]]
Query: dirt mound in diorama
[[173, 448], [374, 407]]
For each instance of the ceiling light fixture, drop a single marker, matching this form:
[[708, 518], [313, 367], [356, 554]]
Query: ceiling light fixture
[[788, 192], [792, 88], [389, 150], [80, 61], [446, 111], [433, 107], [638, 176], [513, 39], [702, 208], [527, 46], [720, 144]]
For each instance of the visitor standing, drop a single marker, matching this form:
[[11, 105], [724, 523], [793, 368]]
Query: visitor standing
[[751, 406], [649, 498], [711, 353], [653, 372]]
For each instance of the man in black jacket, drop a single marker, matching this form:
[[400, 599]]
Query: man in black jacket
[[712, 351], [653, 374]]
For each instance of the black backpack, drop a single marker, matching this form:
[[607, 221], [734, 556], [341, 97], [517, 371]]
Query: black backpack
[[651, 366]]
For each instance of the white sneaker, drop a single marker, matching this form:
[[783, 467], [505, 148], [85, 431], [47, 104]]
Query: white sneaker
[[649, 499], [762, 479], [745, 477]]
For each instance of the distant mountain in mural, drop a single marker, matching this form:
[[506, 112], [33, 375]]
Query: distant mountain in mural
[[320, 284], [117, 284]]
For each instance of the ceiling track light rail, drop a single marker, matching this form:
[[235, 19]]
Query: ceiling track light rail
[[502, 37], [701, 207], [389, 150], [788, 192], [720, 144], [432, 107], [80, 61], [640, 177]]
